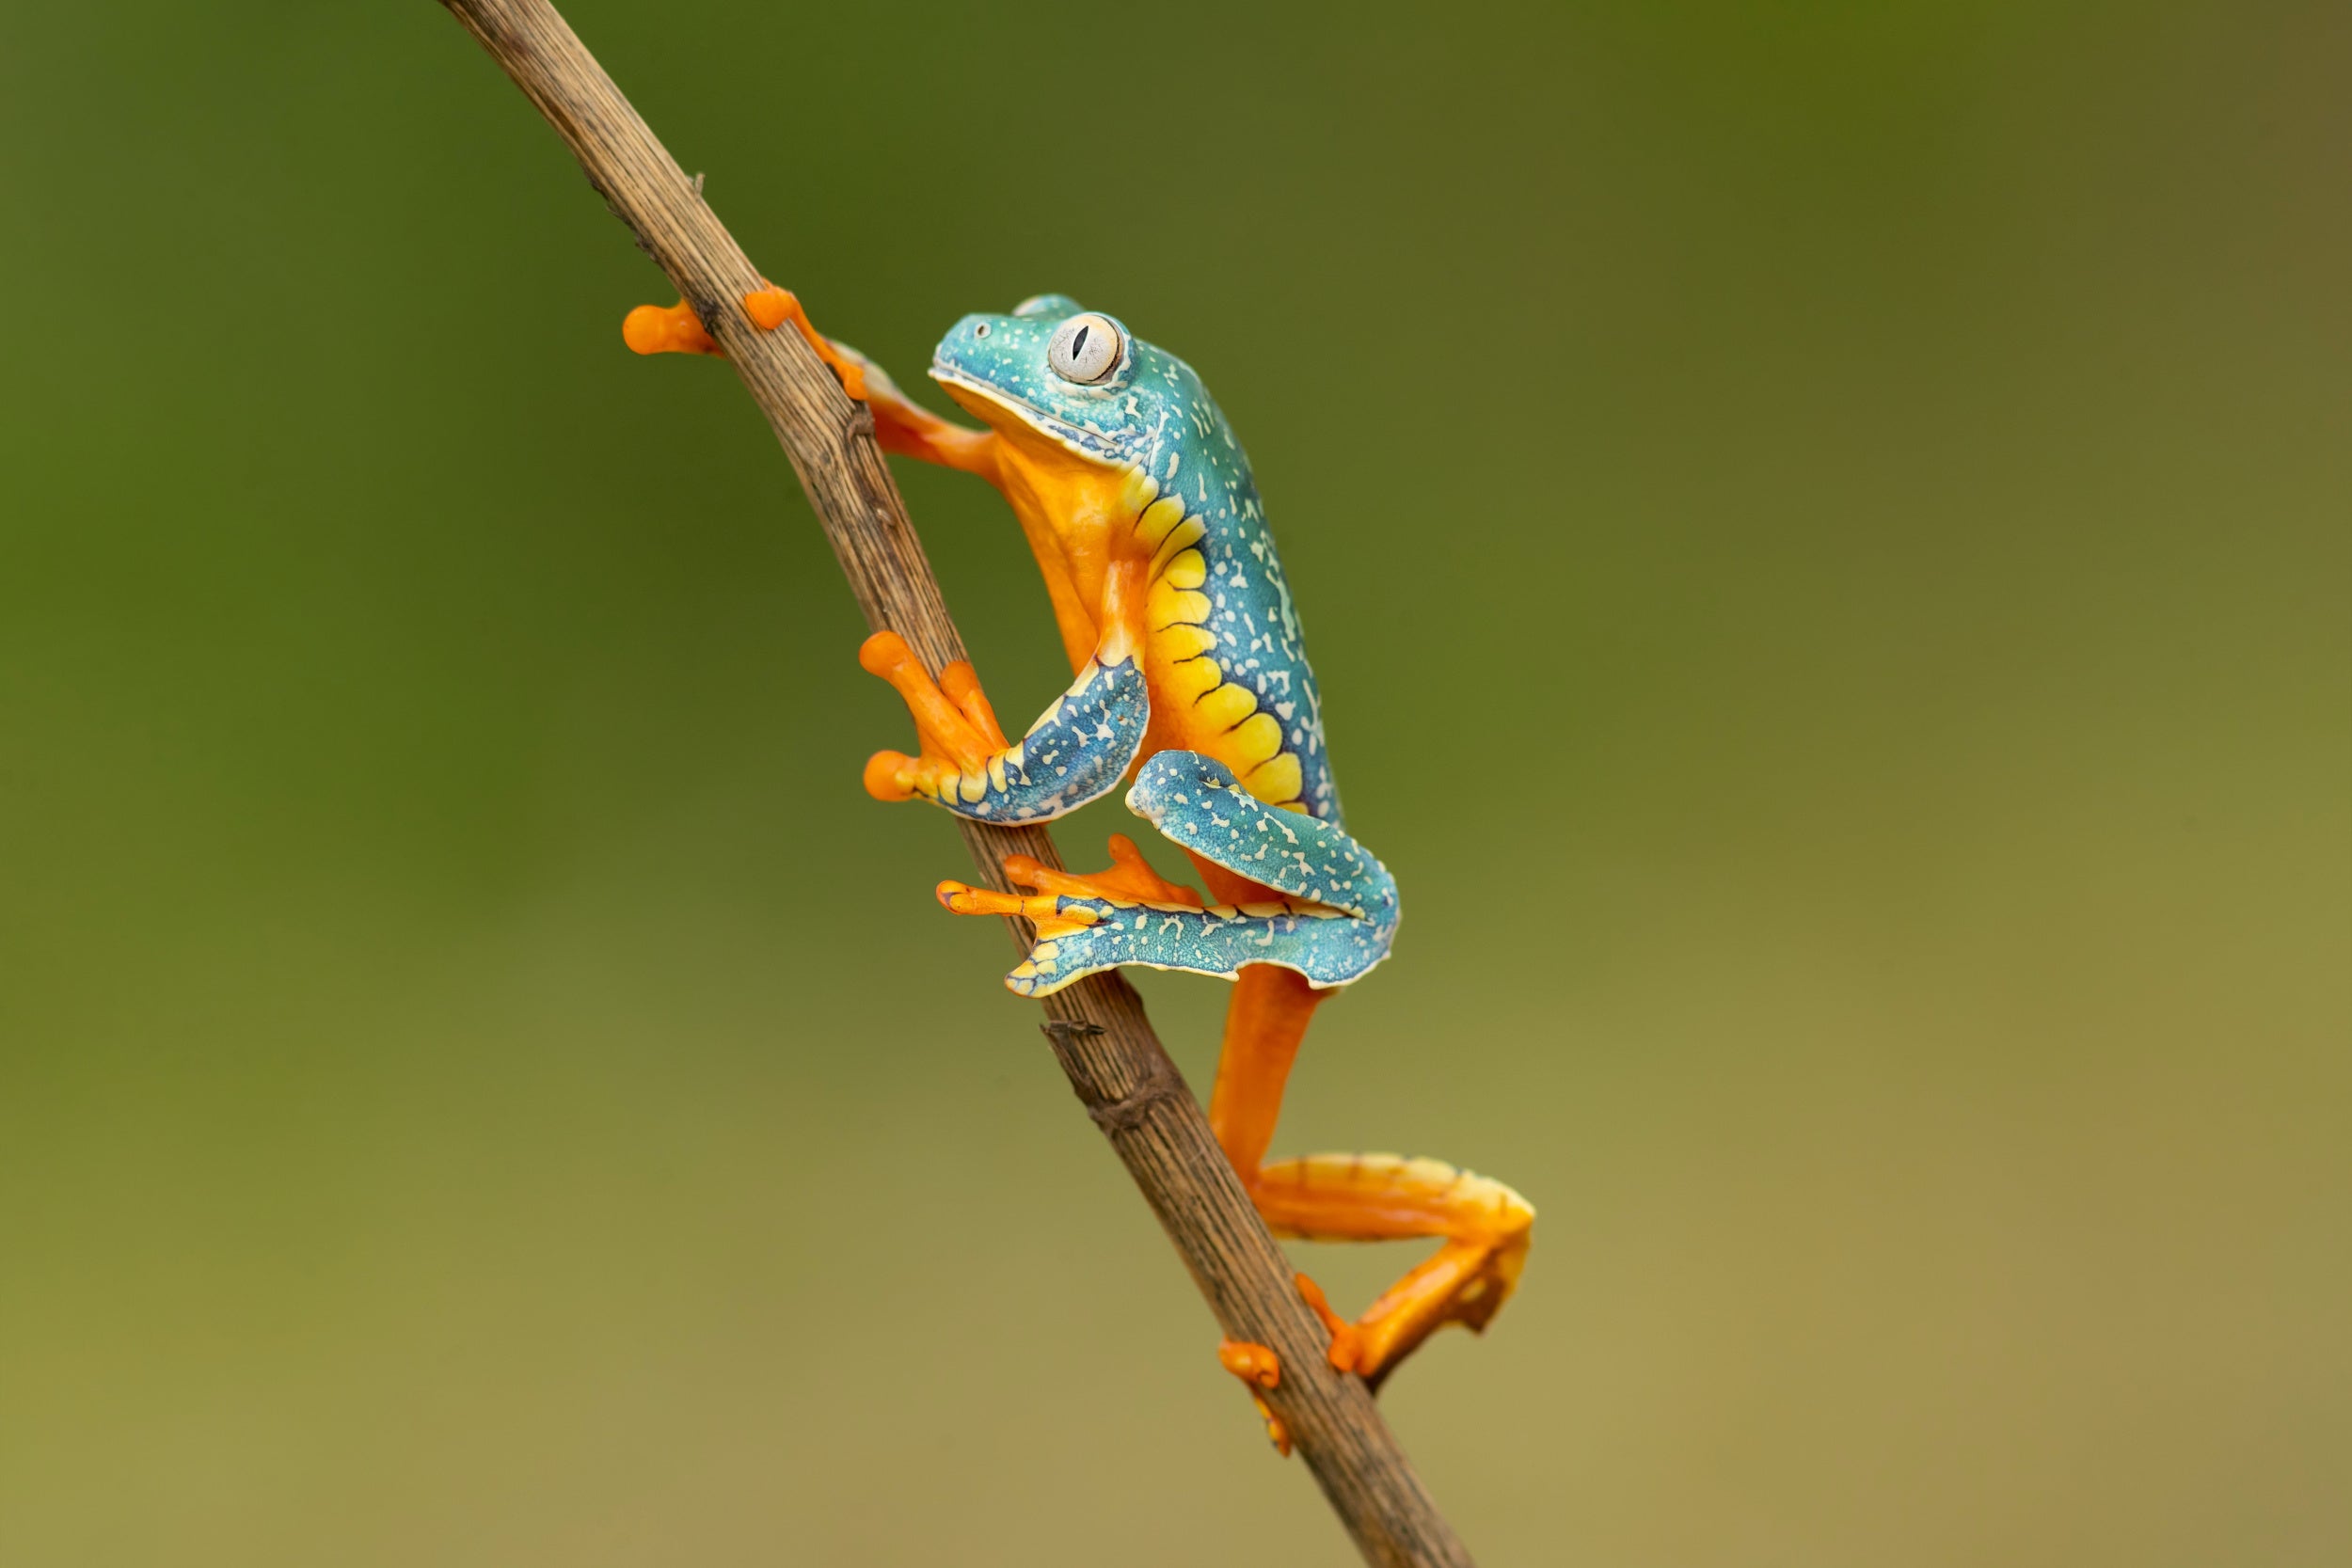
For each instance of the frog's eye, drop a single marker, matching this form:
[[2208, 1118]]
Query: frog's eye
[[1084, 348]]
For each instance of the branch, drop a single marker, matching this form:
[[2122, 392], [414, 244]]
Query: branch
[[1097, 1027]]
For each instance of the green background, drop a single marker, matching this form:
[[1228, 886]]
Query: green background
[[1824, 530]]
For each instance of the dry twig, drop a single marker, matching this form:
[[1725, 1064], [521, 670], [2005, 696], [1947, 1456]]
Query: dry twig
[[1097, 1027]]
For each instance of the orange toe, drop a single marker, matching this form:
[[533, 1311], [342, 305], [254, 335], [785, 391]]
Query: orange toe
[[889, 776], [666, 329], [1258, 1367], [1252, 1363], [769, 307], [1346, 1340], [884, 654]]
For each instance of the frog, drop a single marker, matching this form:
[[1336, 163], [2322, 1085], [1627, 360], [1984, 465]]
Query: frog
[[1192, 689]]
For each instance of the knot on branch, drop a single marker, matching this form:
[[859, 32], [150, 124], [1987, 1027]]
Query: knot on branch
[[1113, 1111]]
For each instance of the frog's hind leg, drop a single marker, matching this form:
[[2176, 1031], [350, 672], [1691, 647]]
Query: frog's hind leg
[[1359, 1197], [1485, 1224], [1375, 1197]]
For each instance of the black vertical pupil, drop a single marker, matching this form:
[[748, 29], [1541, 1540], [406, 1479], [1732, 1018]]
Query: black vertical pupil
[[1078, 343]]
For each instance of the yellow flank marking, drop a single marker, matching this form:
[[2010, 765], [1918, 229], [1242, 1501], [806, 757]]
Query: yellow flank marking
[[1167, 606], [1181, 537], [1188, 570], [1276, 780], [1138, 488], [1228, 705], [1171, 643], [1259, 737], [1190, 681], [972, 786], [1299, 806], [1158, 518]]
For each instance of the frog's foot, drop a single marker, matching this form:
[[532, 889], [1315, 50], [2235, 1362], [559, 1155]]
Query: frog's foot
[[901, 424], [1130, 878], [953, 722], [1364, 1198], [1069, 901], [1074, 754], [1258, 1369]]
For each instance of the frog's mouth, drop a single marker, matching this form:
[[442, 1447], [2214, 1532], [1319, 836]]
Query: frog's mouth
[[1020, 422]]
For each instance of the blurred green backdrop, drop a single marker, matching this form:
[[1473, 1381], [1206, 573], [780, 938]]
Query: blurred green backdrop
[[1824, 535]]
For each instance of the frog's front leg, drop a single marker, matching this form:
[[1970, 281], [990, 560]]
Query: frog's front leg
[[901, 424], [1077, 751]]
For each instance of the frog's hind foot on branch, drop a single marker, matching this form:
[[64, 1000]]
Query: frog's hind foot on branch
[[1368, 1197], [1066, 901], [1258, 1369]]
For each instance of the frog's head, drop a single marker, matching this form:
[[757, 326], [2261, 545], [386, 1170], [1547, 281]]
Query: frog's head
[[1076, 378]]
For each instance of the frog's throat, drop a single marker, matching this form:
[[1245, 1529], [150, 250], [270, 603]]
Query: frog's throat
[[1076, 507], [1026, 425]]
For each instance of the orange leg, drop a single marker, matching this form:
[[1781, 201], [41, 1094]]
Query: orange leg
[[1366, 1197], [1358, 1196]]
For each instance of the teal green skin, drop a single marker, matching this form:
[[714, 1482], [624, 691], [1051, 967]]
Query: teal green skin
[[1339, 914], [1335, 921], [1152, 413]]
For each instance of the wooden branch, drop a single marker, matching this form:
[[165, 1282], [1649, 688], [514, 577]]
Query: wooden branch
[[1097, 1027]]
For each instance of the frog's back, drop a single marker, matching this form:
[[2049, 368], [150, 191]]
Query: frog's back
[[1226, 652]]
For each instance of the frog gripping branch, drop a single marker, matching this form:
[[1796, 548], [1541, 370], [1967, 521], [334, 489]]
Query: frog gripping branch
[[811, 394], [1192, 687]]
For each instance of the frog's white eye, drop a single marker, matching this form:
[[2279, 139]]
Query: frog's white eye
[[1084, 348]]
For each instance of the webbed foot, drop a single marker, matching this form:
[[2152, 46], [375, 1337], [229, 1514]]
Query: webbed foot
[[954, 724], [1364, 1198], [1129, 879]]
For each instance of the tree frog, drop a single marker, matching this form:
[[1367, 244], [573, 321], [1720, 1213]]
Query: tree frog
[[1193, 688]]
